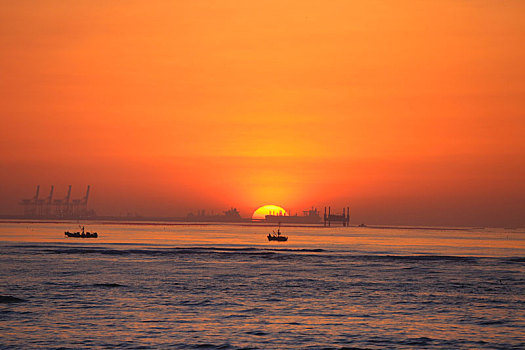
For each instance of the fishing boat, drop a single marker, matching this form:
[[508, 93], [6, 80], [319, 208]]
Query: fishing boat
[[277, 236], [82, 234]]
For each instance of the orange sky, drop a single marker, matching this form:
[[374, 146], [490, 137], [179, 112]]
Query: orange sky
[[410, 112]]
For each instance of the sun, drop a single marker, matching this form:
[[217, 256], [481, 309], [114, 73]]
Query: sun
[[260, 214]]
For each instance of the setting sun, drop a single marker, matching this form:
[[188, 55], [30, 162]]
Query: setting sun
[[260, 214]]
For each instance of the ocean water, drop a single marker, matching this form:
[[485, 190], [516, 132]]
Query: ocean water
[[227, 287]]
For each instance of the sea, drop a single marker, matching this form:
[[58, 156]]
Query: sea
[[154, 285]]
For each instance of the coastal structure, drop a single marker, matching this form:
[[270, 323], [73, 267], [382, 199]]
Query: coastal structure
[[342, 218], [50, 208]]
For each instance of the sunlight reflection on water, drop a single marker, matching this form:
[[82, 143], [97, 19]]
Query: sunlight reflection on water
[[478, 242], [226, 286]]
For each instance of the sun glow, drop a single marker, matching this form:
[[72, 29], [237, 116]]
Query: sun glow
[[260, 214]]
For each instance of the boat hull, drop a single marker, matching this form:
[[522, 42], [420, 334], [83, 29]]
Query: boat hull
[[277, 238], [81, 235]]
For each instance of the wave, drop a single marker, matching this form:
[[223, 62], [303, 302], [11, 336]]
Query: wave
[[8, 299], [275, 253], [213, 346], [108, 285], [174, 251]]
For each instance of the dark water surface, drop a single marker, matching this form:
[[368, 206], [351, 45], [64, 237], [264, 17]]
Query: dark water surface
[[225, 287]]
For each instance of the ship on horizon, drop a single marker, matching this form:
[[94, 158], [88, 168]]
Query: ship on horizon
[[310, 216]]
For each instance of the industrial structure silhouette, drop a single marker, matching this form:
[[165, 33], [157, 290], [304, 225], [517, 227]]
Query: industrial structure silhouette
[[65, 208]]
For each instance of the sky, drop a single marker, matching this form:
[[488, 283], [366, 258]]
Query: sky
[[408, 112]]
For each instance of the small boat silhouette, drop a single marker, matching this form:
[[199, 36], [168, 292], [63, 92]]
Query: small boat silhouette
[[277, 236], [81, 234]]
